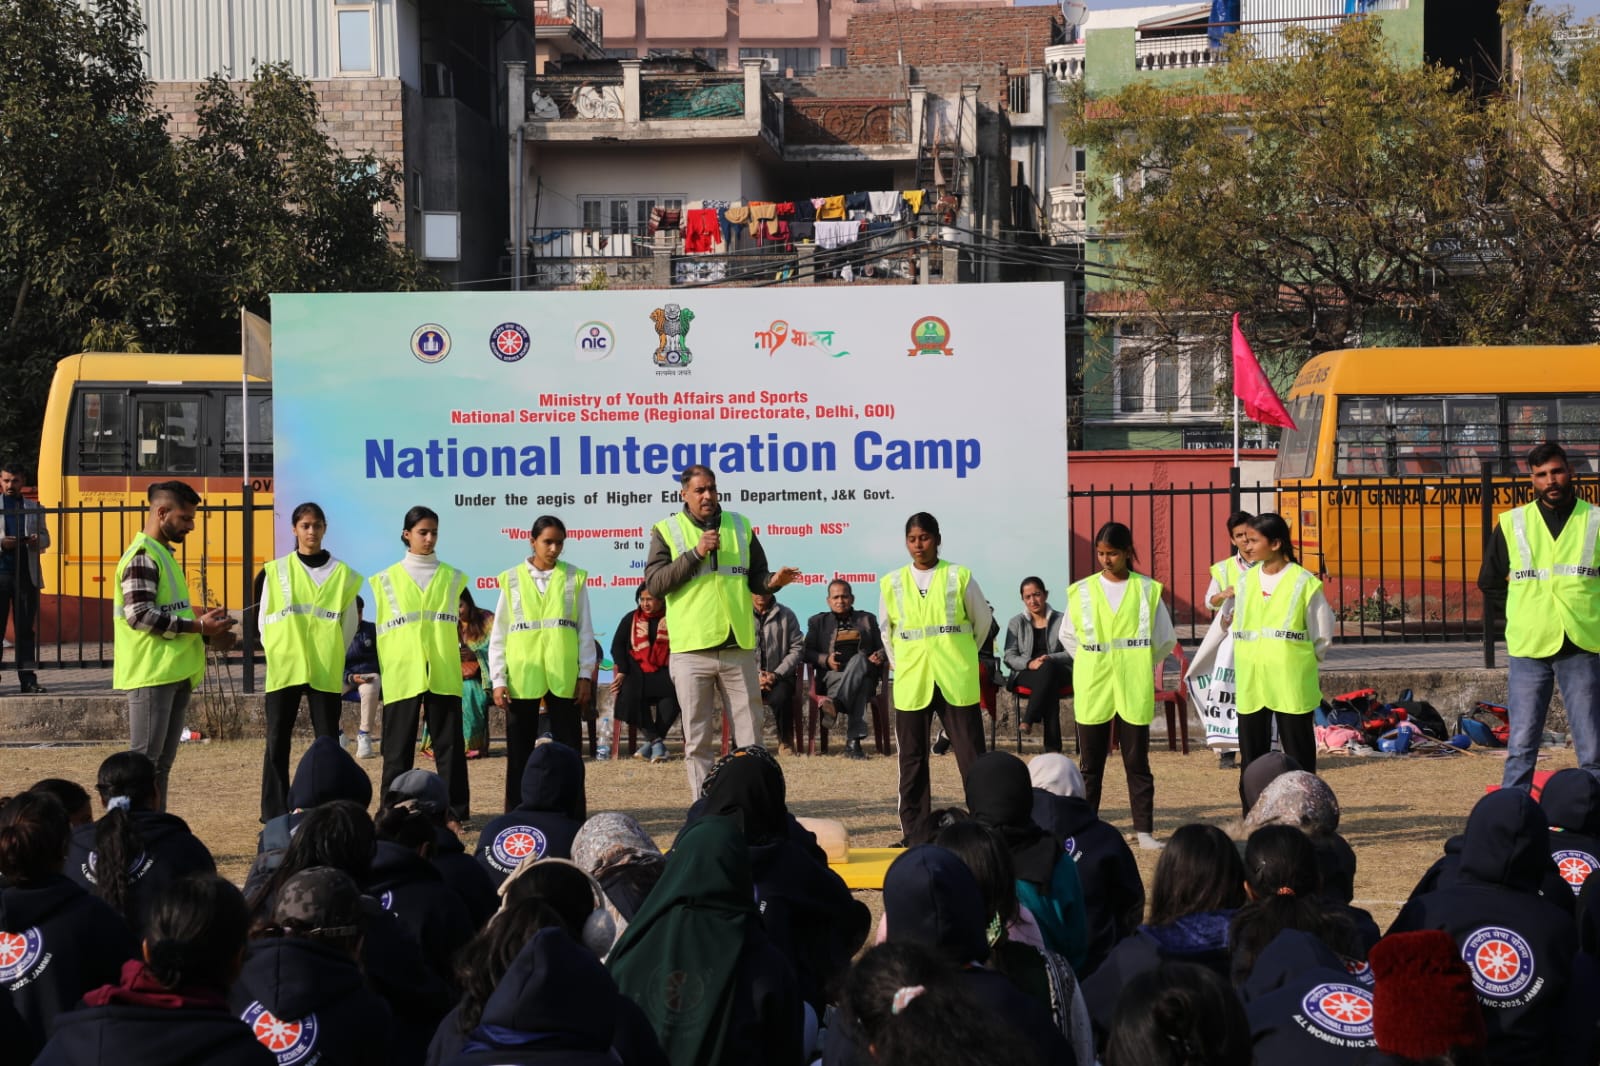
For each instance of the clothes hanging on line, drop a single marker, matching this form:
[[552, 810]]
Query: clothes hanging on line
[[885, 203]]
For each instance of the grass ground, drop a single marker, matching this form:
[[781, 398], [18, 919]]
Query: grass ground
[[1397, 813]]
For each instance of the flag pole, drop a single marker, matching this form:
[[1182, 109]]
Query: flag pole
[[1236, 430]]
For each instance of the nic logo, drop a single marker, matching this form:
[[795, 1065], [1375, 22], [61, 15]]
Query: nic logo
[[593, 342], [430, 343]]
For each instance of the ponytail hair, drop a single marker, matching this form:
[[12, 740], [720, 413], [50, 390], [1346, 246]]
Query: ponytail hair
[[1285, 880], [1274, 528], [1118, 536], [403, 825], [337, 834], [907, 1002], [126, 783], [195, 933], [34, 832]]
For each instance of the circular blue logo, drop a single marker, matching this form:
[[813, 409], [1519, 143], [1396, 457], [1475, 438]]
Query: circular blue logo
[[19, 952], [289, 1041], [138, 866], [1360, 969], [515, 843], [1574, 867], [509, 342], [1343, 1010], [430, 343], [1501, 961], [594, 341]]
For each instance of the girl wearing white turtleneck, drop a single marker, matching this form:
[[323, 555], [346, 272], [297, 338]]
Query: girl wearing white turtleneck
[[306, 617], [417, 602]]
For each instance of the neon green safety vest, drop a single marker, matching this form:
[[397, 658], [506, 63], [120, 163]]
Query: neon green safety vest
[[542, 641], [1227, 571], [142, 659], [1275, 663], [933, 641], [717, 598], [419, 644], [1114, 668], [300, 632], [1554, 586]]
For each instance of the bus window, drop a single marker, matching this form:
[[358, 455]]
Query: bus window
[[102, 435], [1528, 422], [1418, 435], [1362, 439], [1472, 429], [1580, 432], [169, 436], [1297, 452], [260, 435]]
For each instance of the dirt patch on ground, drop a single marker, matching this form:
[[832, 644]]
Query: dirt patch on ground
[[1397, 811]]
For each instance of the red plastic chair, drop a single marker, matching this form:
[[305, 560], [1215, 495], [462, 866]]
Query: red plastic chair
[[879, 704], [1023, 692], [1175, 701]]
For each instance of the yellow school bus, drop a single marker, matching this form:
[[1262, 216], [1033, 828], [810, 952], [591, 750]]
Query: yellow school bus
[[1381, 482], [115, 423]]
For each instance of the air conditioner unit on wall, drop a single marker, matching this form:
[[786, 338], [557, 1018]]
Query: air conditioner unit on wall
[[437, 80], [770, 63]]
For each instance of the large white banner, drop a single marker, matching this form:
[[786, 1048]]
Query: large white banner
[[830, 415]]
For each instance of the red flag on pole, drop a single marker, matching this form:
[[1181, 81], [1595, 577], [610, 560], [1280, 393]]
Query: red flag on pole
[[1250, 384]]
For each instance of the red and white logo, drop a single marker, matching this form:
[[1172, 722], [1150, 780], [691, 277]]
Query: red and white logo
[[1575, 867], [19, 952], [1341, 1009], [514, 844], [290, 1041], [509, 342], [1501, 961]]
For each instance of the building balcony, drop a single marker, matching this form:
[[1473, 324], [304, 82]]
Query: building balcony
[[1065, 61], [1069, 213], [857, 130], [637, 108], [577, 19]]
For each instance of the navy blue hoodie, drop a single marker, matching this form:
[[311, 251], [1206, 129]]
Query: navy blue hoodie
[[462, 873], [168, 853], [544, 824], [1518, 945], [1113, 891], [397, 970], [1304, 1007], [56, 943], [326, 772], [310, 999], [931, 898], [412, 889], [555, 1006], [1571, 802], [1198, 938]]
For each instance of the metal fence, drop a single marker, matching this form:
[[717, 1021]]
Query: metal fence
[[1399, 557]]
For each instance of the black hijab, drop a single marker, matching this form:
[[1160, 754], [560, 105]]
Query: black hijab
[[749, 785], [1000, 795]]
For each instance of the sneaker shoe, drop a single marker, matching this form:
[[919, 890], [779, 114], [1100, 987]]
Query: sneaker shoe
[[363, 745], [941, 745], [852, 749], [1148, 842], [829, 712]]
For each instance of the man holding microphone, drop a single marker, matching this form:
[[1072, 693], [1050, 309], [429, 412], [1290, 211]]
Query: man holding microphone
[[706, 563]]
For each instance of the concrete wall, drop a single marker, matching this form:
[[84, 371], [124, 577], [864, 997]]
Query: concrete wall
[[695, 173], [187, 40], [1013, 37]]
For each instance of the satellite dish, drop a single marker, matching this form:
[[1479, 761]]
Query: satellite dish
[[1074, 12]]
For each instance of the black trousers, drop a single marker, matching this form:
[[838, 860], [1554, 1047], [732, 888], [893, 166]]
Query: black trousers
[[282, 711], [649, 702], [963, 724], [1296, 732], [399, 744], [19, 600], [1094, 745], [525, 723], [780, 697], [1044, 703]]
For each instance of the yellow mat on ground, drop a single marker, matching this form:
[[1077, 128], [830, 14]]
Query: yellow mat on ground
[[866, 866]]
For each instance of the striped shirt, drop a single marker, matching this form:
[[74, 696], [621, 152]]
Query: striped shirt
[[141, 583]]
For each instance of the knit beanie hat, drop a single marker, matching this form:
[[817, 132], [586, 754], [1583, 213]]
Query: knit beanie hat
[[1423, 1002]]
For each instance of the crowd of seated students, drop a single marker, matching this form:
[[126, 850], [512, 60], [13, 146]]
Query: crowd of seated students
[[1022, 934]]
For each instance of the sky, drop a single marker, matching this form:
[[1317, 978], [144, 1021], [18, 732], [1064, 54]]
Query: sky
[[1581, 8]]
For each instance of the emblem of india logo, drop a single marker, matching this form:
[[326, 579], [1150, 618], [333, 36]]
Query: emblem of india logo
[[672, 335]]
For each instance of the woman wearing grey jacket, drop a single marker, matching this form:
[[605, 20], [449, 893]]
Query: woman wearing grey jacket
[[1037, 662]]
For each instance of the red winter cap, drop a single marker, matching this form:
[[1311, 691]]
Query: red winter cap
[[1423, 1002]]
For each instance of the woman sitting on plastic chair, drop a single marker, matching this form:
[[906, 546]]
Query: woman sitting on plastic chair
[[1038, 662]]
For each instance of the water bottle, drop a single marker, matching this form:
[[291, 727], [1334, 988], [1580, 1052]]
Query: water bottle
[[602, 750]]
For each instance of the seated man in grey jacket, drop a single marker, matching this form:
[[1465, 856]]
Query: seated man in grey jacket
[[778, 643], [845, 648], [1037, 661]]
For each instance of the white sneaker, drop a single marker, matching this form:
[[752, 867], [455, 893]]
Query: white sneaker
[[363, 746]]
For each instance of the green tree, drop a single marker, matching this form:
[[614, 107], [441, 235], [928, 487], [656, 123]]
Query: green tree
[[1309, 193], [114, 236]]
